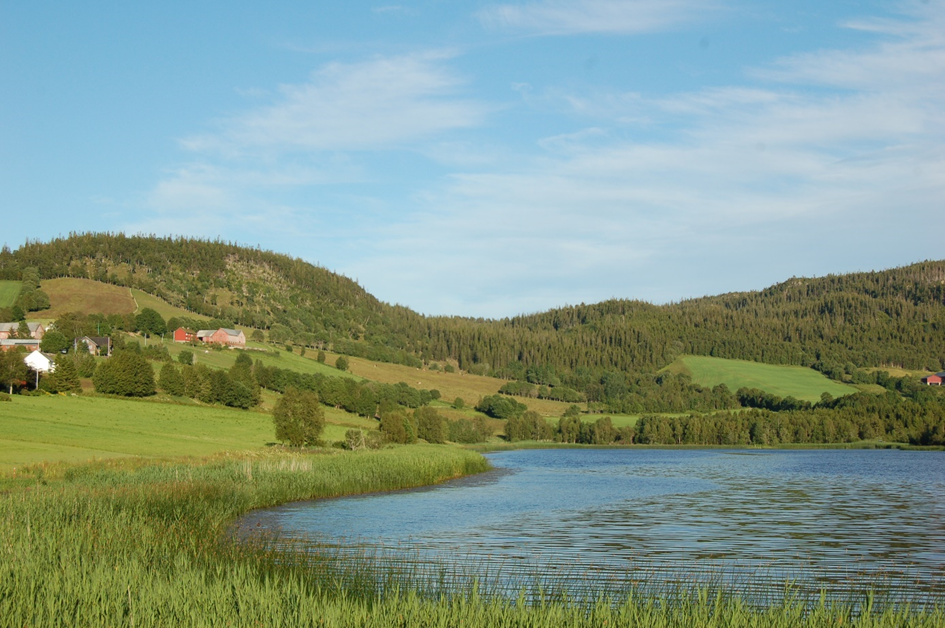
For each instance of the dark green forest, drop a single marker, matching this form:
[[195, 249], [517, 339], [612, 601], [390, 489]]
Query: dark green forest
[[607, 353]]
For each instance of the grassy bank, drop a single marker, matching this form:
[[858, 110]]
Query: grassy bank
[[133, 543], [126, 542]]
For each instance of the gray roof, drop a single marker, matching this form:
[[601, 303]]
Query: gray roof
[[16, 342], [14, 326]]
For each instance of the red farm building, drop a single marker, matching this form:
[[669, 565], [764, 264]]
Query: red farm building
[[934, 380], [182, 334], [222, 336]]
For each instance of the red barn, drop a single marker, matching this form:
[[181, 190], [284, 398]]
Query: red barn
[[933, 380], [184, 335], [222, 336]]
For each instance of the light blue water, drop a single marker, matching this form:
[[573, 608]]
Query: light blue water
[[828, 519]]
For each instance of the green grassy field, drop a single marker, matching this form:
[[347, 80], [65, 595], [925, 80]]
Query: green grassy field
[[795, 381], [67, 428], [9, 291], [60, 428], [225, 358]]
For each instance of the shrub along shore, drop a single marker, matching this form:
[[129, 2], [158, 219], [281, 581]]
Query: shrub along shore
[[143, 543]]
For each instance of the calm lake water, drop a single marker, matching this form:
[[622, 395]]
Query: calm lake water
[[842, 521]]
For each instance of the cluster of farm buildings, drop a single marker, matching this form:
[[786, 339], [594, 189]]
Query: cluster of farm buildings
[[222, 336], [10, 339], [43, 363]]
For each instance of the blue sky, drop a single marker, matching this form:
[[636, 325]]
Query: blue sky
[[489, 158]]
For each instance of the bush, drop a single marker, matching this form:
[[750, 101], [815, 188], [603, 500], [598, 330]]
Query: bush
[[185, 357], [429, 425], [64, 378], [170, 380], [5, 397], [298, 418], [528, 426], [500, 407], [398, 428], [126, 373], [341, 363], [54, 342], [466, 431]]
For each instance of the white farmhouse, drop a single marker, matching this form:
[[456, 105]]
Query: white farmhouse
[[38, 362]]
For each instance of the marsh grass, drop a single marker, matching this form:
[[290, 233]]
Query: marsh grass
[[137, 543]]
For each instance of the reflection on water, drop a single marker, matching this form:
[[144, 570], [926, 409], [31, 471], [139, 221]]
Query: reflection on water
[[834, 520]]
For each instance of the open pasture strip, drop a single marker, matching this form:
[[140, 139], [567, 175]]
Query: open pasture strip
[[68, 294], [225, 358], [795, 381], [162, 307], [9, 291], [470, 388]]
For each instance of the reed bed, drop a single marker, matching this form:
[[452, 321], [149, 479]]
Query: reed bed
[[134, 543]]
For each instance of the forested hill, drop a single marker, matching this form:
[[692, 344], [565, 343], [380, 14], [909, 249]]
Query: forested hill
[[241, 285], [894, 317], [889, 318]]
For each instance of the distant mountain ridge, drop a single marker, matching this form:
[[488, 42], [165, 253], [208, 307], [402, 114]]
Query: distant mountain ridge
[[894, 317]]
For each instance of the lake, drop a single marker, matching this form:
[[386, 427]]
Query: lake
[[841, 521]]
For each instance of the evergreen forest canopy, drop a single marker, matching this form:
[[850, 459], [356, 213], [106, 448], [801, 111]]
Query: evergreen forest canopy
[[608, 353]]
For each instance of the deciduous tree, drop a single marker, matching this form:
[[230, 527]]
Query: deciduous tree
[[298, 418]]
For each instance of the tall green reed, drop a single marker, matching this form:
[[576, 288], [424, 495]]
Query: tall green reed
[[138, 543]]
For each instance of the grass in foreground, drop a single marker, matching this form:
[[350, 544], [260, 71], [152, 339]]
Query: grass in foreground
[[79, 428], [130, 543], [783, 381]]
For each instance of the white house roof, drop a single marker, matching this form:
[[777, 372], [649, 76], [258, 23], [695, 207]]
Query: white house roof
[[39, 362]]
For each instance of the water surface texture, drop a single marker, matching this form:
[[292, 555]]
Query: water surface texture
[[833, 520]]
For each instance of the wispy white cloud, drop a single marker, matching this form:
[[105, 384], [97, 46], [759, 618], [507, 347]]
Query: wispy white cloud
[[830, 159], [802, 168], [381, 103], [566, 17]]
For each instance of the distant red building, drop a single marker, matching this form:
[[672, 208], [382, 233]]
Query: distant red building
[[184, 335], [222, 336], [934, 380]]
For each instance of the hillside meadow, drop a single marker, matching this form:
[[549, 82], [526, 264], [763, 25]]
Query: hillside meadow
[[470, 388], [9, 291], [784, 381], [84, 295]]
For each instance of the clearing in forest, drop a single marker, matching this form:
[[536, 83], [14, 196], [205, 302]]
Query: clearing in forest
[[784, 381], [9, 291], [84, 295]]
